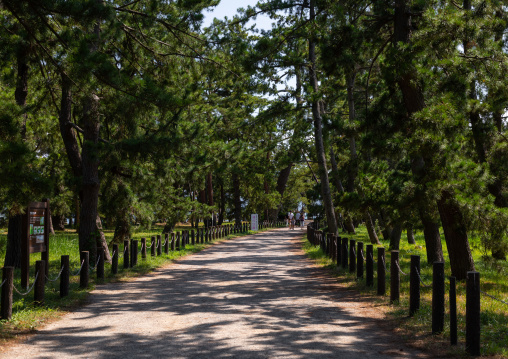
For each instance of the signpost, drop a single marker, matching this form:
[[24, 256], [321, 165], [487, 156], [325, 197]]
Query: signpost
[[35, 237], [254, 222]]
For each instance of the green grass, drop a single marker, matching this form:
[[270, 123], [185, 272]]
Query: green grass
[[494, 314], [27, 317]]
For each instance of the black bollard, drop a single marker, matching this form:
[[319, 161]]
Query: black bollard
[[369, 266], [126, 256], [414, 285], [40, 282], [114, 259], [143, 248], [438, 290], [344, 253], [352, 256], [359, 260], [166, 243], [134, 252], [381, 274], [64, 277], [473, 313], [193, 237], [338, 249], [100, 263], [7, 291], [159, 245], [453, 312], [173, 241], [177, 241], [153, 246], [394, 277], [85, 269]]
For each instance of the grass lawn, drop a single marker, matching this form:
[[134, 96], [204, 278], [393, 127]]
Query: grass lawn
[[493, 277]]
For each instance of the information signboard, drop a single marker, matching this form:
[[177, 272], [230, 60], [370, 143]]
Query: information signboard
[[254, 222], [35, 237]]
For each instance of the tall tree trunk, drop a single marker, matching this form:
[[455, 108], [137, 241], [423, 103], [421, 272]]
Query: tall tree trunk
[[222, 204], [461, 260], [282, 180], [318, 133], [410, 235], [14, 230], [209, 196], [451, 217], [76, 162], [370, 228], [348, 221], [90, 184], [395, 237], [237, 199]]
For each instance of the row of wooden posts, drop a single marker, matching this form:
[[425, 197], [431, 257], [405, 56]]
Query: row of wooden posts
[[172, 241], [349, 255]]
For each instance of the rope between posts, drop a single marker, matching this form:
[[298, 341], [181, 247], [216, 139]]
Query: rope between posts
[[96, 264], [79, 271], [491, 296], [58, 276], [420, 278], [400, 270], [1, 285], [33, 285]]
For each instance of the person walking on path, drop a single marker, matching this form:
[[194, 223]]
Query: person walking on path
[[297, 218], [291, 221], [302, 219]]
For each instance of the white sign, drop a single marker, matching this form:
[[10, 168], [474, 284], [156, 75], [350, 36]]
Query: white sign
[[254, 222]]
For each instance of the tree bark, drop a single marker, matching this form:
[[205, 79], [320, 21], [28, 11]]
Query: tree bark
[[318, 134], [395, 237], [410, 236], [90, 180], [237, 199], [58, 222], [348, 221], [461, 260], [412, 94], [13, 248], [209, 196], [370, 228], [76, 162]]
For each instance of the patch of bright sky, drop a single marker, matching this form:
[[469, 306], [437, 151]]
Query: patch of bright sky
[[229, 8]]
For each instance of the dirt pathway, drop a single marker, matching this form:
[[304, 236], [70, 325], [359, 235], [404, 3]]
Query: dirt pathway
[[252, 297]]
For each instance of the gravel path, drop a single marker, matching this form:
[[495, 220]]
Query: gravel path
[[253, 297]]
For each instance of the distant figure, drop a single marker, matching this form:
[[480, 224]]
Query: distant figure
[[291, 220], [302, 220], [297, 218]]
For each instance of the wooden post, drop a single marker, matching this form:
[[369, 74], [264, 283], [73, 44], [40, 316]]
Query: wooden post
[[159, 245], [184, 239], [394, 277], [64, 277], [166, 243], [40, 282], [352, 256], [114, 260], [85, 268], [193, 238], [126, 261], [344, 253], [153, 246], [414, 285], [173, 241], [100, 263], [381, 274], [359, 260], [177, 241], [7, 288], [453, 312], [369, 266], [438, 290], [334, 247], [473, 313], [134, 252], [143, 247]]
